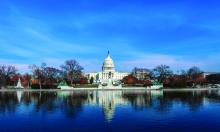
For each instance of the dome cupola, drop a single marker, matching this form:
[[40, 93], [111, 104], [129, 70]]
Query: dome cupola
[[108, 65]]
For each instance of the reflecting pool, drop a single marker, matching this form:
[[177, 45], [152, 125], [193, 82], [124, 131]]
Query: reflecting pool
[[116, 110]]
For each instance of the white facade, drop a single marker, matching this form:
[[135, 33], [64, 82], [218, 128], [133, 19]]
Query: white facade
[[108, 72]]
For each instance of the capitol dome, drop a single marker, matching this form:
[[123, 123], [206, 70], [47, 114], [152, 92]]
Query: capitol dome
[[108, 65]]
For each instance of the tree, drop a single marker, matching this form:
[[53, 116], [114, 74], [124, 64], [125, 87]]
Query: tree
[[72, 71], [152, 75], [183, 74], [83, 80], [46, 75], [14, 79], [27, 80], [38, 73], [176, 81], [147, 83], [213, 78], [162, 72], [6, 72], [51, 75], [193, 72], [91, 81], [200, 80], [130, 80]]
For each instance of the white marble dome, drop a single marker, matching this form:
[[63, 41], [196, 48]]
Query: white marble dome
[[108, 74], [108, 64]]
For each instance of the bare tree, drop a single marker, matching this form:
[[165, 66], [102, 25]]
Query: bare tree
[[46, 75], [27, 79], [6, 72], [38, 73], [193, 72], [72, 71], [52, 75], [162, 72]]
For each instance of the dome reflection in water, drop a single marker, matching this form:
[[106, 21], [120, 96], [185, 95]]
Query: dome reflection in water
[[109, 110]]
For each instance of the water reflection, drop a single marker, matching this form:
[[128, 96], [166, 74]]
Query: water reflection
[[72, 103], [107, 100], [8, 102]]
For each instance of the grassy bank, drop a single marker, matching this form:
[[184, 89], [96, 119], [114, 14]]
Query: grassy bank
[[88, 89], [132, 85], [86, 86]]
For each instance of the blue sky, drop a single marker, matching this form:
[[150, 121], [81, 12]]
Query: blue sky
[[142, 33]]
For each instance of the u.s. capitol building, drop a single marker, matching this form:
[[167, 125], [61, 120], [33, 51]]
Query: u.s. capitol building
[[108, 72]]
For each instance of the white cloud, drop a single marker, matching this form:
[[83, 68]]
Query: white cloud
[[21, 67], [152, 60]]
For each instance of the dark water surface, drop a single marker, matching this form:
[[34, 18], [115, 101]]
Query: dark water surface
[[110, 111]]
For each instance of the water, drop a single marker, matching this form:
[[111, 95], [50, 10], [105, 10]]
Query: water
[[110, 111]]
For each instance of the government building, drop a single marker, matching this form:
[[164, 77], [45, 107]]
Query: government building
[[108, 73]]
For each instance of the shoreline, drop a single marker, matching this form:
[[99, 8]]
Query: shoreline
[[107, 89]]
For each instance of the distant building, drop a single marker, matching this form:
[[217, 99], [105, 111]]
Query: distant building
[[212, 77], [205, 74], [141, 73], [108, 72]]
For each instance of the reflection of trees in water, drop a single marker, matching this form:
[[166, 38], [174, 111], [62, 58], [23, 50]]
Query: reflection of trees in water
[[26, 98], [193, 99], [42, 101], [8, 102], [213, 96], [138, 100], [72, 103], [163, 103], [147, 99], [45, 102]]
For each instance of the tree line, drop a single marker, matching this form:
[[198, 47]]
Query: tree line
[[163, 74], [43, 76]]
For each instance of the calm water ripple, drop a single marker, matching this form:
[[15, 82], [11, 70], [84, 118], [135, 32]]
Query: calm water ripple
[[110, 111]]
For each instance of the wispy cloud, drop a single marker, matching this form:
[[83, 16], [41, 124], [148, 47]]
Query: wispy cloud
[[176, 62], [142, 33]]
